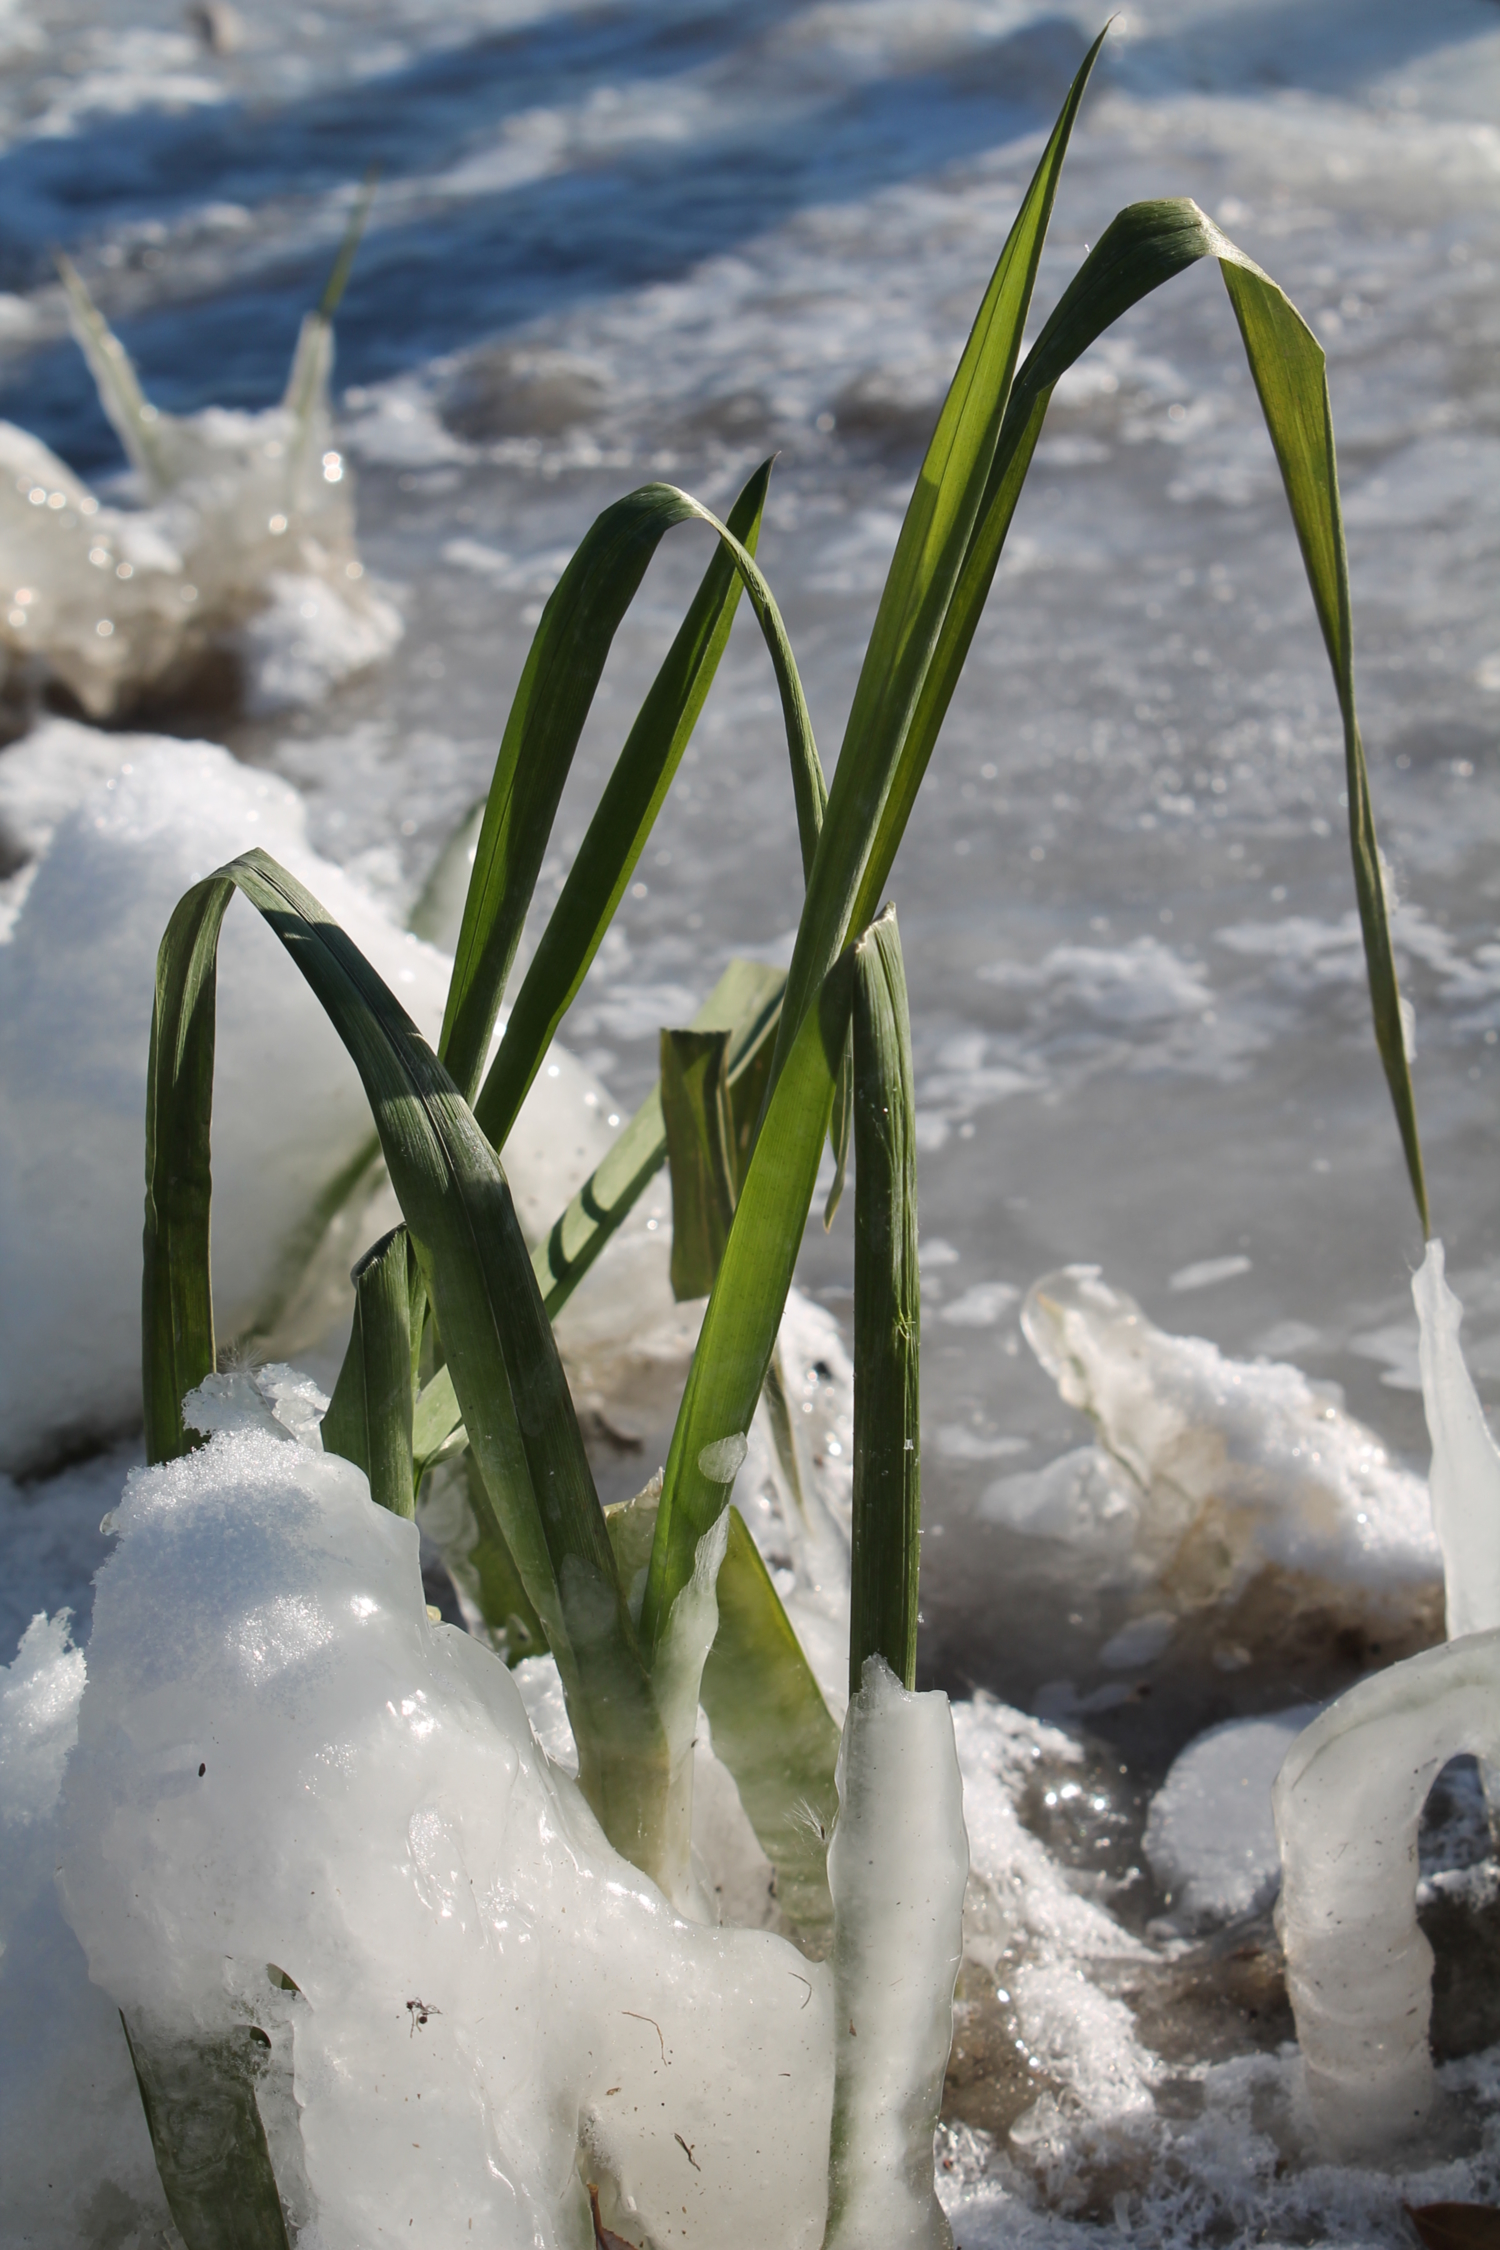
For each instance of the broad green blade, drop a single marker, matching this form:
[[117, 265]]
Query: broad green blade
[[919, 587], [886, 1542], [744, 1313], [477, 1271], [208, 2138], [369, 1416], [746, 1002], [773, 1731], [700, 1151], [623, 820], [557, 688], [136, 422]]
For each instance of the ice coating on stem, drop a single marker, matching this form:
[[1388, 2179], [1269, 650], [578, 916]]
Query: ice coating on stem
[[1464, 1480], [1348, 1803], [246, 544], [282, 1759], [897, 1867]]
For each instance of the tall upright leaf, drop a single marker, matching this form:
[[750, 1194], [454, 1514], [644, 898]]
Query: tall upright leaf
[[924, 572]]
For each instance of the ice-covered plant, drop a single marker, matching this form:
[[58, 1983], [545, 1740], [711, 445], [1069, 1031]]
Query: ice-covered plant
[[666, 1604], [247, 524]]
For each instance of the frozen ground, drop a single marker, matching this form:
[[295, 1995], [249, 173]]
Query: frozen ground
[[637, 240]]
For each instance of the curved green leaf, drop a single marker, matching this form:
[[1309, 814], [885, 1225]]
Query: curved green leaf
[[369, 1416], [477, 1270]]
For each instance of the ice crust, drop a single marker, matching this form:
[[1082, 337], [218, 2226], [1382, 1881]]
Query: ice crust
[[1211, 1474], [260, 1620], [122, 826], [246, 542]]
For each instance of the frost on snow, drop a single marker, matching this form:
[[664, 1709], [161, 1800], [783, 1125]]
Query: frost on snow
[[246, 542]]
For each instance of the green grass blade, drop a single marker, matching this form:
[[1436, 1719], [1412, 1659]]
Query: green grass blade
[[622, 821], [1287, 363], [700, 1152], [208, 2139], [925, 569], [885, 1553], [744, 1312], [459, 1520], [474, 1263], [773, 1731], [369, 1418], [557, 688]]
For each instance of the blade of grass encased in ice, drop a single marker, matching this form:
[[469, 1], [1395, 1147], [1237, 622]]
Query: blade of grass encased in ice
[[886, 1528], [556, 691], [497, 1339], [212, 2156], [369, 1417], [925, 569], [772, 1729], [136, 421], [622, 821], [744, 1312]]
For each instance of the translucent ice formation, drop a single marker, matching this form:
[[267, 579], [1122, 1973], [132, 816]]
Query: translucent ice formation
[[121, 826], [492, 2011], [1239, 1491], [1464, 1479], [897, 1867], [1348, 1803], [245, 544]]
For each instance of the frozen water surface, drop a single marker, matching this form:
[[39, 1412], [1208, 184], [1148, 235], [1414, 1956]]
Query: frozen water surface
[[632, 241]]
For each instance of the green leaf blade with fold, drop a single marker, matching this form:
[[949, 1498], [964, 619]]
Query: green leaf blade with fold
[[885, 1551], [700, 1152], [369, 1417]]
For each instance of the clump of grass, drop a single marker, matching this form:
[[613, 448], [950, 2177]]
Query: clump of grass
[[747, 1099]]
